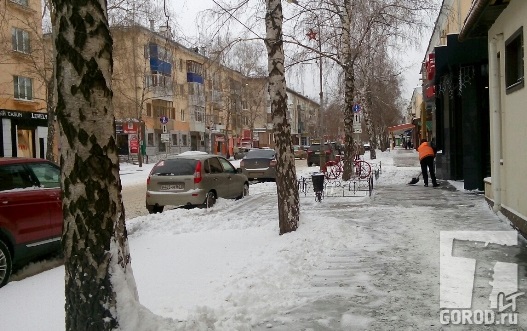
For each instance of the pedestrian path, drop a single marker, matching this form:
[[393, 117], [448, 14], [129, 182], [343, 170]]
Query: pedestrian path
[[394, 284]]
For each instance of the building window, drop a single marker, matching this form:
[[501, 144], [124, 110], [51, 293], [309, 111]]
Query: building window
[[174, 139], [150, 139], [173, 113], [514, 77], [20, 39], [183, 140], [182, 113], [198, 115], [148, 110], [23, 88]]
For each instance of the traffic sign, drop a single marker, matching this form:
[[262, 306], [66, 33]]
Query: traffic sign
[[165, 128], [163, 119], [356, 108], [357, 130], [165, 137]]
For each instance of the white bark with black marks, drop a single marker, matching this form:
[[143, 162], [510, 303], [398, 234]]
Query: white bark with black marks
[[286, 183], [94, 239]]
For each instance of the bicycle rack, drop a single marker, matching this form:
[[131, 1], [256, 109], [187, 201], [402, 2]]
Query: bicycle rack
[[338, 188]]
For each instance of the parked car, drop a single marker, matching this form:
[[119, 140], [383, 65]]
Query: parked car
[[259, 164], [300, 152], [242, 152], [366, 146], [30, 212], [337, 147], [193, 180], [313, 153]]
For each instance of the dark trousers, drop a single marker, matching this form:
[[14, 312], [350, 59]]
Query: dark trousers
[[428, 162]]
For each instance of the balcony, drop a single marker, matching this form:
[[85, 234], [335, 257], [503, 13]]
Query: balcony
[[196, 100], [197, 126]]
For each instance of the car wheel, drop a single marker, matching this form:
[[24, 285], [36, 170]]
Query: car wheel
[[154, 209], [5, 264], [245, 190], [210, 200]]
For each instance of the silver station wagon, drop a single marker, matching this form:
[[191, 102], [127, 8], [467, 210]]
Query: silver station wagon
[[194, 179]]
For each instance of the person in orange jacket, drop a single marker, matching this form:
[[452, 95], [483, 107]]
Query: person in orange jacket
[[426, 158]]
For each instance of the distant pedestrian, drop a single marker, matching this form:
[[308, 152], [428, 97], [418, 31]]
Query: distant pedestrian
[[426, 158]]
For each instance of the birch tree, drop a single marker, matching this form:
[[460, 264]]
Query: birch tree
[[94, 239], [286, 184]]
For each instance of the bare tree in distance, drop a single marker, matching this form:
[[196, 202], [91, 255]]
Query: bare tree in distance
[[347, 26]]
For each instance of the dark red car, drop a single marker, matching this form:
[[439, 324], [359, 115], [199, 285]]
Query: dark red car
[[30, 211]]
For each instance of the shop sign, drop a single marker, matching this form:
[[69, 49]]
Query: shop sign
[[23, 114], [130, 127]]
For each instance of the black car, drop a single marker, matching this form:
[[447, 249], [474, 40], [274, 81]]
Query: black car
[[242, 152], [259, 164], [313, 153]]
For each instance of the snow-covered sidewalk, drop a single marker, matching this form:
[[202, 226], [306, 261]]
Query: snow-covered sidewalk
[[353, 264]]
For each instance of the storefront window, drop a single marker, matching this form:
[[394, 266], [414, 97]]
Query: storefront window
[[25, 143]]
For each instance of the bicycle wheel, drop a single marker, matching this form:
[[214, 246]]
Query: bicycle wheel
[[333, 170], [362, 169]]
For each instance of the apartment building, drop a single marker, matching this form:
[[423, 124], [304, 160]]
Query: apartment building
[[23, 116], [169, 99]]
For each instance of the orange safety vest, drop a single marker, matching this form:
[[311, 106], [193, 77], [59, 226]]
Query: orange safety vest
[[425, 150]]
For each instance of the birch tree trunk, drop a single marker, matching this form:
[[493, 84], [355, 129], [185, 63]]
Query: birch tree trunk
[[286, 183], [50, 107], [349, 89], [366, 112], [94, 238]]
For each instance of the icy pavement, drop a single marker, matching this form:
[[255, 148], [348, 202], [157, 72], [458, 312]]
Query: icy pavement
[[393, 284]]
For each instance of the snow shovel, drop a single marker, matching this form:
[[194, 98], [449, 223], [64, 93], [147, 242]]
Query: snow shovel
[[415, 180]]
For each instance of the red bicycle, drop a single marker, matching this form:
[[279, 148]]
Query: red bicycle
[[334, 169]]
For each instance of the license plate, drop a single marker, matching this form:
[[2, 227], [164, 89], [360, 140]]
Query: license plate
[[171, 187]]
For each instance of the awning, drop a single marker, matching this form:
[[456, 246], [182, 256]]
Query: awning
[[400, 128]]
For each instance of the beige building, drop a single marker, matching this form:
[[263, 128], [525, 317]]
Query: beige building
[[204, 105], [23, 117], [503, 24], [167, 99]]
